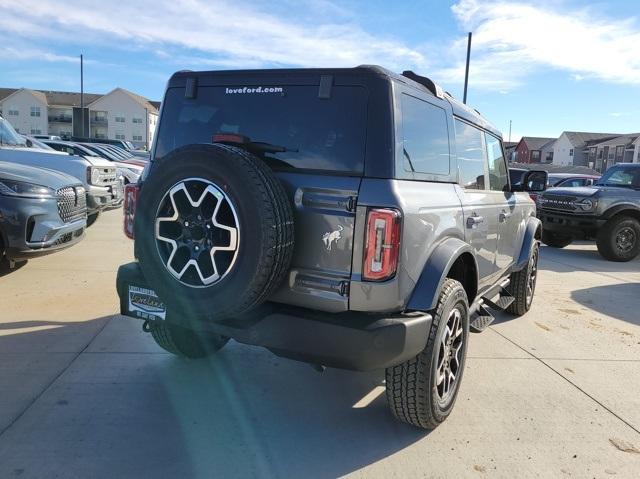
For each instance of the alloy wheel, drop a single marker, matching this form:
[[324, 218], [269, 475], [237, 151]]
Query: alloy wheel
[[625, 239], [449, 365], [533, 277], [197, 232]]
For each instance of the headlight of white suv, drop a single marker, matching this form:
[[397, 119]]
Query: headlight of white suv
[[93, 175]]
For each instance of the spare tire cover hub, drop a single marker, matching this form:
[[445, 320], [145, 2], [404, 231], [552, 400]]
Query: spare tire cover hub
[[197, 232]]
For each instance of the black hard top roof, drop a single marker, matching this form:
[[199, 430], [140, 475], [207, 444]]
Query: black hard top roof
[[372, 71]]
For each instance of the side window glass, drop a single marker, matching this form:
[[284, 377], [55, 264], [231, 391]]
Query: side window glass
[[497, 168], [471, 156], [425, 137]]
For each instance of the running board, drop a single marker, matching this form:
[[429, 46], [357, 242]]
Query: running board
[[503, 301], [480, 320]]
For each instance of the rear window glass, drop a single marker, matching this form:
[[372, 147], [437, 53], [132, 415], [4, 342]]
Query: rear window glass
[[318, 134]]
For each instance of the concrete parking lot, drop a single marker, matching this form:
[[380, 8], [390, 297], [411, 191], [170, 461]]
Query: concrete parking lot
[[85, 393]]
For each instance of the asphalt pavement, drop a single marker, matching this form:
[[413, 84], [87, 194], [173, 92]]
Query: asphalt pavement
[[84, 392]]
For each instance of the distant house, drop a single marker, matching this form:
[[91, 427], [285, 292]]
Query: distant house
[[532, 149], [118, 115], [572, 147], [620, 149]]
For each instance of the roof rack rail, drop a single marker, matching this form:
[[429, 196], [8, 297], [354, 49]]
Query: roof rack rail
[[426, 82]]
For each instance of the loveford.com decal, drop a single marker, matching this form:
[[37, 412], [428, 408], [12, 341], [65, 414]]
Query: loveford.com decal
[[146, 304], [254, 89]]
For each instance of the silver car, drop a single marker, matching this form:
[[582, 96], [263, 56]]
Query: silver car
[[41, 211], [104, 189]]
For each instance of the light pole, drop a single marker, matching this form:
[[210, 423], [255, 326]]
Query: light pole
[[82, 94], [466, 71]]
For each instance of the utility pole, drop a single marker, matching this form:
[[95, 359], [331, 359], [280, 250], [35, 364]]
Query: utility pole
[[82, 94], [509, 131], [466, 72]]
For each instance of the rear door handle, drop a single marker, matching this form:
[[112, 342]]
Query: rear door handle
[[473, 221], [503, 216]]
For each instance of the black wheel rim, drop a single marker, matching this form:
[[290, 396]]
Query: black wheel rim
[[532, 277], [626, 239], [450, 351], [197, 232]]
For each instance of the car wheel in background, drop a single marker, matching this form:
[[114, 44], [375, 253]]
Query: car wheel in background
[[523, 284], [619, 239], [556, 240], [422, 391], [92, 218]]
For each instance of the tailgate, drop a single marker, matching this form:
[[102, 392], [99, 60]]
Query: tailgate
[[324, 212]]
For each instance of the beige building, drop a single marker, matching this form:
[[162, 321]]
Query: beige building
[[118, 115]]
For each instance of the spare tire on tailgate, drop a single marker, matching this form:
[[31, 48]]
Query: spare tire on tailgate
[[213, 231]]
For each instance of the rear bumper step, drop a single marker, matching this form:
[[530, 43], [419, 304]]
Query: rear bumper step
[[349, 340]]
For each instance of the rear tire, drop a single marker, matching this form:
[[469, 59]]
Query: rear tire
[[523, 285], [184, 342], [414, 392], [556, 240], [619, 239]]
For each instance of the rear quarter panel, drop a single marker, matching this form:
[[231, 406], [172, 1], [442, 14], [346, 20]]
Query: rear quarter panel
[[431, 212]]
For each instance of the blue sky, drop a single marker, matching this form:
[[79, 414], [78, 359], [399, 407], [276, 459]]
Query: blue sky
[[548, 66]]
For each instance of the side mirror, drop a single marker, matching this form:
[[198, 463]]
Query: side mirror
[[534, 181], [29, 143]]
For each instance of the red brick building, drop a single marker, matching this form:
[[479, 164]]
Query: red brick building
[[533, 149]]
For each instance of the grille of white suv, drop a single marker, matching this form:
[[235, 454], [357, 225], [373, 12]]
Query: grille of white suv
[[72, 203]]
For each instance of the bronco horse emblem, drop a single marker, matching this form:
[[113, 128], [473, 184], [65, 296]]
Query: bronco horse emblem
[[332, 236]]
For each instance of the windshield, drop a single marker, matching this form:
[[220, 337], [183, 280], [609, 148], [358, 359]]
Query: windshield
[[313, 133], [621, 176], [9, 136]]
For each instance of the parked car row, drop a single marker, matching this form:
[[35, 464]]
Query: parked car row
[[51, 190]]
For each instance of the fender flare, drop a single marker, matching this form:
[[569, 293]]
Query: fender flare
[[533, 229], [615, 209], [425, 294]]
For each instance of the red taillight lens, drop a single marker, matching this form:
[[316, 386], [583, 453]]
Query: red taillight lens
[[131, 192], [382, 244]]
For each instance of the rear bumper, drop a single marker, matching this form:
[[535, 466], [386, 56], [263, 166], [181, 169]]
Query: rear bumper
[[574, 225], [349, 340]]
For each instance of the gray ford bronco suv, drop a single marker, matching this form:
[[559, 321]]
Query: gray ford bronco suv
[[608, 211], [351, 218]]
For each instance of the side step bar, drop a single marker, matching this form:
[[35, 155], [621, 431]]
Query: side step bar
[[482, 317]]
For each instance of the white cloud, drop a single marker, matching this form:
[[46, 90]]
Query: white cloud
[[511, 40], [237, 33], [15, 53]]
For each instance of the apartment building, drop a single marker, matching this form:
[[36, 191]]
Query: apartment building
[[572, 147], [118, 115]]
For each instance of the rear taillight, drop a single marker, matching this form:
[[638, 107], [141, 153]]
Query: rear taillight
[[382, 244], [131, 192]]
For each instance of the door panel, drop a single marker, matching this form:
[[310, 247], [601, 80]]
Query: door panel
[[481, 229]]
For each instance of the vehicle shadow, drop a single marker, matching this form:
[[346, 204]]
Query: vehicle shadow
[[5, 269], [620, 301], [124, 407], [583, 256]]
